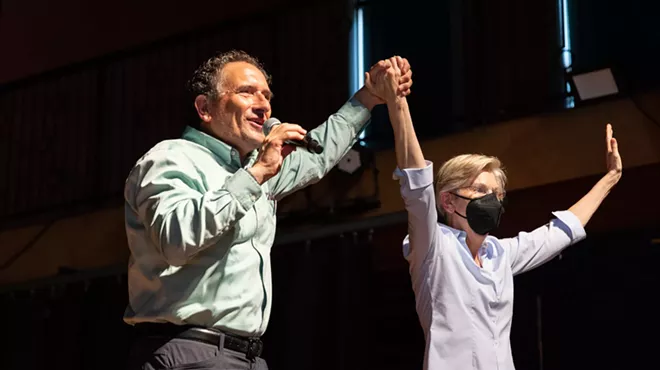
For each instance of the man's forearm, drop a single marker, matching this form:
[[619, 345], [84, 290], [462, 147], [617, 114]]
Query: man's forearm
[[337, 134], [408, 152], [587, 206]]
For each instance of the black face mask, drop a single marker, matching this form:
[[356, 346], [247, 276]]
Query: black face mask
[[483, 213]]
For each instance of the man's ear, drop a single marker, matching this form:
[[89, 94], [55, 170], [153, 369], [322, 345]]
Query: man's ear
[[202, 105]]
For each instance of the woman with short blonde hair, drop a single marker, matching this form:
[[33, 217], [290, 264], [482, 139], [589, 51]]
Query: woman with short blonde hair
[[461, 170], [462, 276]]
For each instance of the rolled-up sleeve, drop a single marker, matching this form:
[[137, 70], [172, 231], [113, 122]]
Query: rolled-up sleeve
[[416, 186], [529, 250]]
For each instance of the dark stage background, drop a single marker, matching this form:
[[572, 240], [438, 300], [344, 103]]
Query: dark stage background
[[70, 133]]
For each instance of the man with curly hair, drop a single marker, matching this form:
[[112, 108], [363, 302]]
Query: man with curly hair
[[200, 217]]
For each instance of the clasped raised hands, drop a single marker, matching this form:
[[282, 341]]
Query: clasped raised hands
[[389, 79]]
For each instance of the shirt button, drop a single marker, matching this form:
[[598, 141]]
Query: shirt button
[[496, 343]]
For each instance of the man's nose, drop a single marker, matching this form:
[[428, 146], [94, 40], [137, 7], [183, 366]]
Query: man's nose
[[261, 110], [261, 105]]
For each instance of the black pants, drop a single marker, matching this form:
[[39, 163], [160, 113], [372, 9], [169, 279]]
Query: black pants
[[151, 352]]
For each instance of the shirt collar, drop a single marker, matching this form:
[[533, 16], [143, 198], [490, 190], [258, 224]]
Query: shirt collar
[[487, 248], [460, 234], [225, 152]]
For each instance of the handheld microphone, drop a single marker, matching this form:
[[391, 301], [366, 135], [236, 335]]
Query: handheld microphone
[[308, 142]]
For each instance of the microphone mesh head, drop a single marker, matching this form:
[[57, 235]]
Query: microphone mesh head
[[269, 124]]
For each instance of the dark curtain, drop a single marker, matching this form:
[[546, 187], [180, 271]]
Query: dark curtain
[[475, 62], [71, 136], [511, 60]]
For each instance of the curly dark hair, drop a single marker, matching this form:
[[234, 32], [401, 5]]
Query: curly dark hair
[[205, 79]]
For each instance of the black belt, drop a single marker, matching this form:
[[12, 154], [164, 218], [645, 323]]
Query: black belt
[[251, 347]]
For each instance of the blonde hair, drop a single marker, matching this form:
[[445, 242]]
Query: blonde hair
[[462, 169]]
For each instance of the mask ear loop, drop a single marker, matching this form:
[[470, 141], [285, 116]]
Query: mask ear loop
[[460, 196]]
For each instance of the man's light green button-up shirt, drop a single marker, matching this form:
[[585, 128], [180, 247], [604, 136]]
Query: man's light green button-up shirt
[[200, 227]]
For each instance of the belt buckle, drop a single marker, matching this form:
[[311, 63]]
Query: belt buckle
[[254, 348]]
